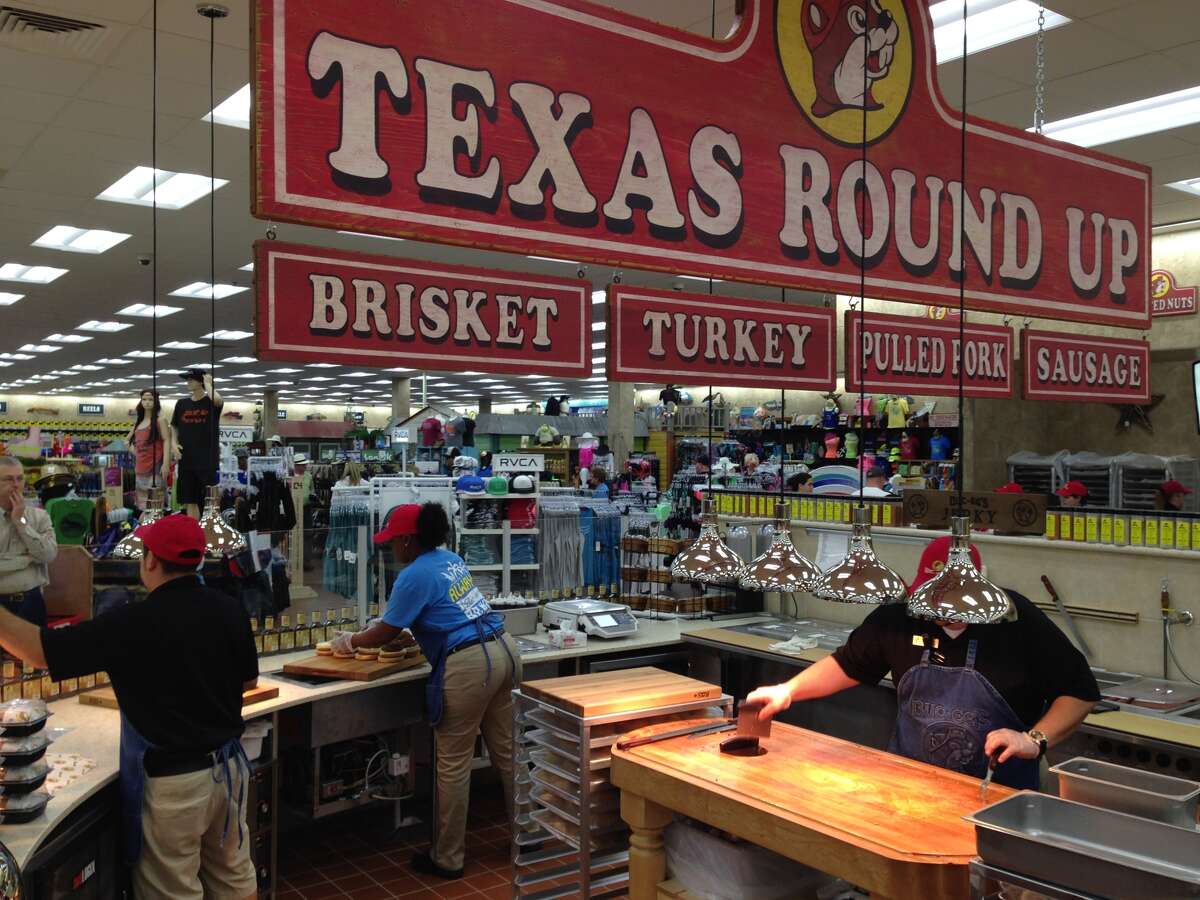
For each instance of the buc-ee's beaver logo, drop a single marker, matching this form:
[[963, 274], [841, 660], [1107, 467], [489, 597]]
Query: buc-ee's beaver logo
[[831, 50]]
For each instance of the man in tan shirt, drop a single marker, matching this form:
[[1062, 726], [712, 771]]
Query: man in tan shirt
[[27, 544]]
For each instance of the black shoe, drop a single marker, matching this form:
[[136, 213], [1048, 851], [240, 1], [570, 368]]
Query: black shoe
[[423, 864]]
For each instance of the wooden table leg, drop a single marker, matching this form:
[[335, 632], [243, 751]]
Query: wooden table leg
[[647, 857]]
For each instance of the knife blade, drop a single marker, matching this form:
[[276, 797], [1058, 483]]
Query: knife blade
[[703, 728], [748, 722], [987, 779]]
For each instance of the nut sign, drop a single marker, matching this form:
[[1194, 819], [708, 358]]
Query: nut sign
[[559, 128]]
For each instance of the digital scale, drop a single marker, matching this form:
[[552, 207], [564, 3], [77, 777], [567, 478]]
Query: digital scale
[[593, 617]]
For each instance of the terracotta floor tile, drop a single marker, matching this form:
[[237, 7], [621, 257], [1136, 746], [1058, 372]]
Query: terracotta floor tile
[[403, 884], [455, 889], [289, 895], [487, 880], [334, 871], [303, 879], [498, 893], [322, 892], [352, 883], [371, 892]]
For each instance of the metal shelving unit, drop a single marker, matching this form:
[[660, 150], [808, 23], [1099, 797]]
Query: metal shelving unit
[[568, 837], [505, 533]]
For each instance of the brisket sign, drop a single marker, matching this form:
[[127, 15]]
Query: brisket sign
[[558, 128], [701, 338], [906, 353], [320, 305], [1085, 369]]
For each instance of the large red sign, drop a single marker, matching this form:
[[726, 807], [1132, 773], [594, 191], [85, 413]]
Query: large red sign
[[557, 128], [905, 353], [704, 339], [1084, 369], [1167, 298], [318, 305]]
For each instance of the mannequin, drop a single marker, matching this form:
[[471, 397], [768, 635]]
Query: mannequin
[[830, 414], [897, 411], [194, 440], [148, 440]]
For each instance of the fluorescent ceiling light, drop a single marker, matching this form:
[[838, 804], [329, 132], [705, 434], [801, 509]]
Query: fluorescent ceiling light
[[701, 278], [182, 345], [80, 240], [381, 381], [84, 367], [114, 362], [283, 371], [334, 366], [145, 354], [597, 326], [1129, 120], [378, 237], [226, 335], [106, 327], [596, 360], [145, 311], [202, 290], [247, 375], [1188, 185], [1177, 226], [234, 110], [565, 262], [30, 274], [175, 190], [354, 374], [7, 299], [202, 365], [318, 378], [239, 359], [598, 345], [990, 23], [67, 338], [396, 369], [248, 267], [40, 348], [599, 296]]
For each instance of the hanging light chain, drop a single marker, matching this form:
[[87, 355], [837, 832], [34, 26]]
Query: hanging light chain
[[1039, 75]]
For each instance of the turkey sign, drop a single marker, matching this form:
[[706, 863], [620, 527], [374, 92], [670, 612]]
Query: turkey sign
[[563, 129]]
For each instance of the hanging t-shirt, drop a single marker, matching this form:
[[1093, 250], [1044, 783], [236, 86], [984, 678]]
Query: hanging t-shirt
[[939, 447], [554, 407], [431, 432], [910, 447], [897, 412], [851, 445], [195, 422], [829, 418], [669, 395], [831, 446], [465, 429]]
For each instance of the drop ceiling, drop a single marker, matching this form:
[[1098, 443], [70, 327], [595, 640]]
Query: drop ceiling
[[73, 121]]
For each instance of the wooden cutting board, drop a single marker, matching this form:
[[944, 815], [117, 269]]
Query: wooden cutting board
[[107, 698], [625, 690], [350, 669]]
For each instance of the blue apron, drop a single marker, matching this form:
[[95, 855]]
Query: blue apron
[[132, 782], [945, 715], [433, 645]]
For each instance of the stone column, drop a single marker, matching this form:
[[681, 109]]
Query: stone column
[[485, 405], [401, 399], [620, 422], [270, 414]]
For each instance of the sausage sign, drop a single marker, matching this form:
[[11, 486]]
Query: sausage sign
[[1085, 369], [558, 128]]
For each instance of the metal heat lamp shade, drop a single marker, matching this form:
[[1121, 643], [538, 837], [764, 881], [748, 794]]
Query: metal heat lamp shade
[[861, 577], [959, 593], [781, 567], [220, 538], [130, 546], [708, 560]]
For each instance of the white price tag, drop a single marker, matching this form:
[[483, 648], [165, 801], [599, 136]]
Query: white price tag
[[350, 556]]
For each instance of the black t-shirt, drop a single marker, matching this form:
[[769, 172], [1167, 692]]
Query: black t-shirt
[[1029, 661], [669, 395], [193, 419], [178, 661]]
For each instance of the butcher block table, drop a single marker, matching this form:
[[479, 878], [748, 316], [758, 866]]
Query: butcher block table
[[882, 822]]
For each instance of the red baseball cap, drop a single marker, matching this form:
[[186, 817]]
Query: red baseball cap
[[1011, 488], [1173, 487], [1073, 489], [177, 539], [400, 521], [933, 560]]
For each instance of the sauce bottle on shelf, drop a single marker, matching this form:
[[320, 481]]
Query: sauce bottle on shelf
[[270, 636], [303, 635], [287, 637]]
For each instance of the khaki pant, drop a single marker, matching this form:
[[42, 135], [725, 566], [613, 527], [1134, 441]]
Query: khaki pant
[[183, 820], [474, 703]]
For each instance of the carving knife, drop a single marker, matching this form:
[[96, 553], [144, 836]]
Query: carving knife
[[1062, 611], [987, 779]]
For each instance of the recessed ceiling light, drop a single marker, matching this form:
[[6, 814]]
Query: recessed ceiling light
[[381, 381], [40, 348], [107, 327], [379, 237], [283, 371], [182, 345], [699, 278], [1188, 185], [202, 290], [175, 190], [30, 274], [7, 299], [285, 383], [597, 326], [396, 369], [84, 367], [80, 240], [114, 362], [599, 296], [598, 345], [334, 366], [247, 375], [354, 374], [1129, 120], [146, 311], [239, 359], [145, 354], [68, 338], [1177, 226], [168, 372], [226, 335], [318, 378], [596, 360], [202, 365], [234, 110], [990, 23]]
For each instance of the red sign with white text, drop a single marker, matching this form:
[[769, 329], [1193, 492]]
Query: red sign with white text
[[1084, 369], [357, 309], [704, 339], [905, 353], [1167, 298], [563, 129]]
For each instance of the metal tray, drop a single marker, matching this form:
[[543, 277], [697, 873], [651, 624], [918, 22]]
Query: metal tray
[[1097, 851], [1146, 794], [1154, 693]]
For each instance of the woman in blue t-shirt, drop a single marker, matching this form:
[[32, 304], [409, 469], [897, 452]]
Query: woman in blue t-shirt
[[475, 668]]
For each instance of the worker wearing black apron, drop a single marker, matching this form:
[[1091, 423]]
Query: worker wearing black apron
[[179, 661], [475, 668], [965, 693]]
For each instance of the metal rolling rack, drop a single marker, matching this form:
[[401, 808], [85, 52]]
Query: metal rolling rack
[[561, 779]]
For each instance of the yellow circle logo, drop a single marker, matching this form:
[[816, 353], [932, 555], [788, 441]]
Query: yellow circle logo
[[1160, 284], [830, 48]]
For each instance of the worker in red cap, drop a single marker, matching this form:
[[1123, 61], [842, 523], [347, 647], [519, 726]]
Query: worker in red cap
[[965, 693], [1172, 495], [1073, 494], [184, 775], [470, 688]]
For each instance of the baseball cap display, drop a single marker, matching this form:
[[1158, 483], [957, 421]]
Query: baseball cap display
[[498, 485], [1073, 489], [401, 520], [176, 539], [521, 484], [469, 484]]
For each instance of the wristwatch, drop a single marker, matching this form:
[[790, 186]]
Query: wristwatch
[[1039, 738]]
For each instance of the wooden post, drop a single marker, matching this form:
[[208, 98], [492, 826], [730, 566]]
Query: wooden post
[[647, 856]]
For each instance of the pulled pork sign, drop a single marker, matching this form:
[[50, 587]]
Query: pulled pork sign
[[319, 305], [1085, 369], [671, 336], [559, 128], [906, 353]]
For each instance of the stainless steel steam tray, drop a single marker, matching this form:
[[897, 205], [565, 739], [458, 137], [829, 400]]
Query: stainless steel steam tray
[[1150, 795], [1097, 851]]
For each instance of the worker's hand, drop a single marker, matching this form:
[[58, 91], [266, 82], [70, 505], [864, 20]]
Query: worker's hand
[[176, 452], [342, 643], [775, 699], [1010, 744], [17, 495]]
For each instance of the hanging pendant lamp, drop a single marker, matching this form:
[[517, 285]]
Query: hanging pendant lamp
[[708, 560], [781, 567], [861, 577], [220, 538], [959, 593], [131, 546]]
